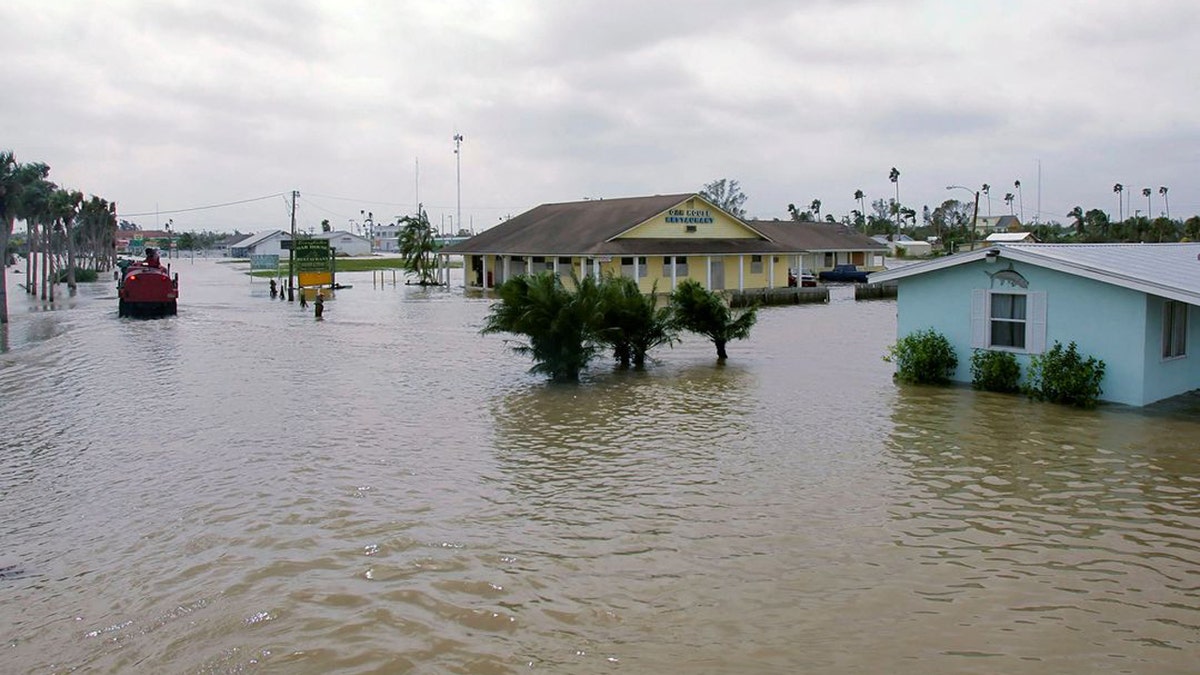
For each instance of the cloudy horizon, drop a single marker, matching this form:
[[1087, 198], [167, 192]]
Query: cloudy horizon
[[168, 107]]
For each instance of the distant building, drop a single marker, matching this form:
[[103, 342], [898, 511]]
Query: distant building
[[659, 241], [1011, 238], [263, 243], [988, 224], [910, 247], [345, 243]]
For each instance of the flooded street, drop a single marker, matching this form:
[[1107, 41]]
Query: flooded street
[[242, 488]]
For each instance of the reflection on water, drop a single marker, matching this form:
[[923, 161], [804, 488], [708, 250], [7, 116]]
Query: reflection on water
[[243, 489]]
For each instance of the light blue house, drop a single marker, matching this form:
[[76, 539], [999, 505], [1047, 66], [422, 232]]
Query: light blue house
[[1135, 306]]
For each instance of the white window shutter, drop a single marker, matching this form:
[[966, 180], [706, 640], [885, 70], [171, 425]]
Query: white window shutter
[[1035, 326], [979, 320]]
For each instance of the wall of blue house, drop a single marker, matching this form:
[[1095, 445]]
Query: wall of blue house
[[1168, 377], [1105, 321]]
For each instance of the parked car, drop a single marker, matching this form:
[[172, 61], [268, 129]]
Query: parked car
[[805, 280], [844, 273]]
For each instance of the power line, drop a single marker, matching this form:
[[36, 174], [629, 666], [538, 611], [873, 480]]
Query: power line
[[202, 208]]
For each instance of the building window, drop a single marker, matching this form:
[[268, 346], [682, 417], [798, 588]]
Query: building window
[[681, 268], [1174, 339], [756, 266], [1007, 318], [1008, 321]]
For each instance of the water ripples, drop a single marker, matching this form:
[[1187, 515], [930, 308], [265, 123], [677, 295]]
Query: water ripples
[[243, 489]]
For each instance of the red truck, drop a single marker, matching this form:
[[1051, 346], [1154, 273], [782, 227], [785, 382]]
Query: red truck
[[147, 288]]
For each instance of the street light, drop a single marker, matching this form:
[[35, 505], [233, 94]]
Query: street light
[[458, 139], [975, 214]]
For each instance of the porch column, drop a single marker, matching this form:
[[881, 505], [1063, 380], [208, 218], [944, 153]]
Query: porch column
[[708, 273], [635, 273], [582, 267], [596, 267], [554, 266], [771, 272], [507, 267], [483, 267], [742, 272], [672, 272]]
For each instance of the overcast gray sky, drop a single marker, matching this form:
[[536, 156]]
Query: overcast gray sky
[[175, 105]]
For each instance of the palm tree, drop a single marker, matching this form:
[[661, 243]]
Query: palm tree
[[64, 207], [1146, 192], [816, 208], [632, 324], [699, 310], [894, 176], [417, 245], [862, 206], [10, 196], [98, 225], [1021, 198], [987, 192], [1118, 188], [1077, 214], [1162, 190], [1008, 199], [793, 212], [560, 326]]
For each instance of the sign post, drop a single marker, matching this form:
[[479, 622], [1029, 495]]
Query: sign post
[[313, 262]]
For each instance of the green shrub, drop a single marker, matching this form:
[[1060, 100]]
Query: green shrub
[[995, 371], [923, 357], [82, 276], [1063, 376]]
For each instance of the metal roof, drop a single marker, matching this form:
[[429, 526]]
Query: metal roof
[[1166, 270]]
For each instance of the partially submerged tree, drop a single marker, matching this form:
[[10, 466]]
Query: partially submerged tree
[[560, 326], [699, 310], [417, 247], [631, 323]]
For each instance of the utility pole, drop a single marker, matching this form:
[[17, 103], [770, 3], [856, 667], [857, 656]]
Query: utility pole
[[292, 252]]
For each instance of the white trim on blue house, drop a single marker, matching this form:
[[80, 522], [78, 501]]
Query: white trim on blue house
[[1169, 271]]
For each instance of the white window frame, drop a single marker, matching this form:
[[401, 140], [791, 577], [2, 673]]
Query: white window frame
[[756, 266], [1174, 330], [1035, 320]]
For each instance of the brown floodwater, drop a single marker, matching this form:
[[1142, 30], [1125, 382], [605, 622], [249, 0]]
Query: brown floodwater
[[243, 489]]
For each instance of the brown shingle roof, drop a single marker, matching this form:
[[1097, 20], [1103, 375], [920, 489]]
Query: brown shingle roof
[[809, 236], [567, 228], [588, 228]]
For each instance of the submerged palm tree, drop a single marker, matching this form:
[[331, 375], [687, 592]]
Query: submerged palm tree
[[699, 310], [631, 323], [417, 246], [561, 326]]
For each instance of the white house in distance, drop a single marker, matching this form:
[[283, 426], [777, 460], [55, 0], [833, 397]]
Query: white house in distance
[[1134, 306], [1011, 238], [345, 243], [271, 243], [263, 243]]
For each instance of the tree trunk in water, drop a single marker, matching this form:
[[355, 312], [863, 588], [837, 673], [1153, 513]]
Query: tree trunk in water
[[70, 260], [31, 270], [721, 355], [4, 233]]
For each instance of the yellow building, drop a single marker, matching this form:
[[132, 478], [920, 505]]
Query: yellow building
[[659, 240]]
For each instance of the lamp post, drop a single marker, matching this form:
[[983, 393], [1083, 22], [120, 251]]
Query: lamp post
[[458, 139], [974, 214]]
